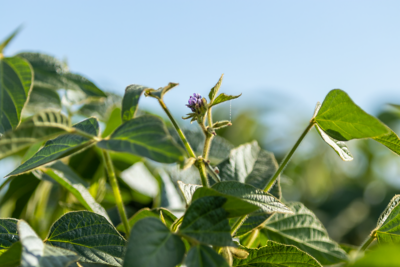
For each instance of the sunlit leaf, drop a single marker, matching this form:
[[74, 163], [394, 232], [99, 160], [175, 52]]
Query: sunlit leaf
[[152, 244], [215, 89], [391, 141], [340, 147], [62, 146], [274, 254], [9, 39], [388, 227], [16, 81], [131, 100], [160, 92], [223, 98], [89, 235], [206, 221], [382, 256], [188, 191], [43, 126], [204, 256], [145, 136], [303, 230]]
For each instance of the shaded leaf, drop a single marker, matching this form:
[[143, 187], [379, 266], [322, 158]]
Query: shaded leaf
[[36, 254], [145, 136], [204, 256], [388, 227], [340, 147], [274, 254], [160, 92], [215, 89], [12, 257], [152, 244], [90, 235], [303, 230], [42, 126], [223, 98], [343, 120], [8, 234], [16, 81], [131, 100], [206, 221], [62, 146]]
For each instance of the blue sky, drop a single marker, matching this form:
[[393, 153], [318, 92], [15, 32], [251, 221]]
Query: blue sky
[[278, 52]]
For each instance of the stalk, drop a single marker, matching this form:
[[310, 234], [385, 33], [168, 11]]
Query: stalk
[[237, 224], [117, 194], [203, 173], [288, 157], [178, 129], [367, 242]]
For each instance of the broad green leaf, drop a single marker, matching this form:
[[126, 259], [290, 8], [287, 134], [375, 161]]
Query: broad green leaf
[[67, 178], [89, 235], [43, 126], [388, 227], [343, 120], [144, 136], [8, 234], [62, 146], [37, 254], [101, 108], [9, 38], [204, 256], [215, 89], [160, 92], [382, 256], [159, 213], [274, 254], [16, 81], [12, 257], [206, 221], [88, 87], [303, 230], [340, 147], [391, 141], [242, 199], [152, 244], [188, 191], [131, 100], [223, 98], [113, 122], [39, 96]]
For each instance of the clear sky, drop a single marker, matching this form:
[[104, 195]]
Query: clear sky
[[266, 49]]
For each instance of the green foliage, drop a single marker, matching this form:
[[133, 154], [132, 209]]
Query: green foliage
[[388, 228], [8, 234], [130, 101], [204, 256]]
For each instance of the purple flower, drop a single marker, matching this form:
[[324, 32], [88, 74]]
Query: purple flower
[[195, 102]]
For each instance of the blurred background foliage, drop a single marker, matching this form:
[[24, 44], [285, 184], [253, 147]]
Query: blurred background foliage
[[348, 197]]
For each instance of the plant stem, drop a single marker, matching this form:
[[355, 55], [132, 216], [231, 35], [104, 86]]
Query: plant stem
[[367, 242], [180, 133], [210, 121], [207, 145], [250, 240], [117, 194], [288, 157], [203, 173], [237, 224]]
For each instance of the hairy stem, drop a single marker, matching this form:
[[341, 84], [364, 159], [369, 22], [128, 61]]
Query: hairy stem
[[178, 129], [367, 242], [203, 174], [117, 194], [288, 157]]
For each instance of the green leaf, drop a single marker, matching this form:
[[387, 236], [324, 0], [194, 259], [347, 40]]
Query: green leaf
[[188, 191], [145, 136], [39, 96], [90, 235], [340, 147], [215, 89], [131, 100], [303, 230], [160, 92], [8, 234], [88, 87], [67, 178], [9, 38], [242, 199], [204, 256], [152, 244], [12, 257], [37, 254], [113, 122], [159, 213], [101, 107], [391, 141], [62, 146], [42, 126], [250, 223], [388, 227], [274, 254], [382, 256], [206, 221], [343, 120], [223, 98], [16, 81]]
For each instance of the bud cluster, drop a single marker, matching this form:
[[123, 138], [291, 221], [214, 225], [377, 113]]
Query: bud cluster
[[195, 102]]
